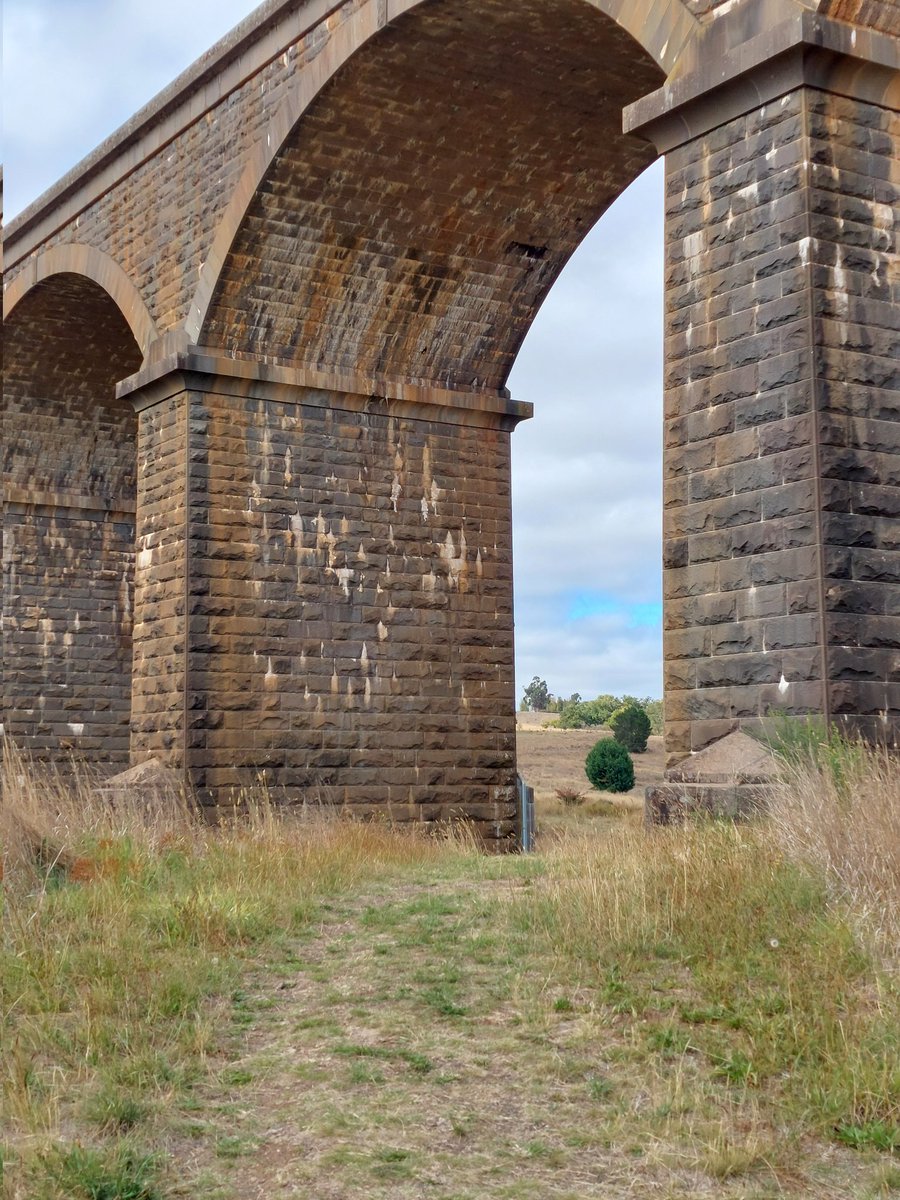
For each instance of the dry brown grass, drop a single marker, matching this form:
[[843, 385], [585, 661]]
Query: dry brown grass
[[837, 807], [223, 1012]]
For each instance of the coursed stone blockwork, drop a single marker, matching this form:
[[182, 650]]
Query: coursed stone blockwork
[[348, 595], [357, 206], [783, 420]]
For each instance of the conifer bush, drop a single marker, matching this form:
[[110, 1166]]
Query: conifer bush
[[609, 767], [630, 726]]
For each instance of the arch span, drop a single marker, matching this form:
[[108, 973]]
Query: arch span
[[69, 475], [412, 217], [76, 258]]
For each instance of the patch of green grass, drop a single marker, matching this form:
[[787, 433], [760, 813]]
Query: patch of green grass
[[234, 1145], [600, 1088], [78, 1172], [870, 1135], [735, 1067], [236, 1076], [114, 1110], [443, 1001], [362, 1072], [668, 1040], [418, 1063]]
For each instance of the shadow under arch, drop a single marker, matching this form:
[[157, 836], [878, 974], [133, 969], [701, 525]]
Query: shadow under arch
[[69, 475], [626, 50], [76, 258]]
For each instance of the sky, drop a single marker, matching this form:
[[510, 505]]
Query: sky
[[587, 469]]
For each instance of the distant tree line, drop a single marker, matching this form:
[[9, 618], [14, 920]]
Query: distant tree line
[[576, 713]]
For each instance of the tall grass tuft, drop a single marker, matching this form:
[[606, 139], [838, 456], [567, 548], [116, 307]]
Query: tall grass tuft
[[837, 808], [776, 991]]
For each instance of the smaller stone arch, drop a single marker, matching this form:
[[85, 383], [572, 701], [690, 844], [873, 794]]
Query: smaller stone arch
[[76, 258], [69, 466]]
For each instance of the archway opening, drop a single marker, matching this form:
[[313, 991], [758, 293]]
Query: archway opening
[[69, 471], [587, 469]]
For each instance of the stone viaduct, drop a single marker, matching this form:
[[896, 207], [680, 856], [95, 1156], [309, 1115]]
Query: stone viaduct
[[256, 438]]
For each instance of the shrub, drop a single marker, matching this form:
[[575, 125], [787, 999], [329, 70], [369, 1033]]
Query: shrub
[[581, 714], [630, 726], [609, 767], [569, 796]]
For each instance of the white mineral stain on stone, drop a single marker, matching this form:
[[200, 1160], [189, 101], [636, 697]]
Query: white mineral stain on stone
[[345, 577], [76, 728], [270, 674], [424, 508], [382, 631], [750, 192], [805, 244], [479, 565], [361, 555], [368, 691], [693, 248], [288, 467], [364, 658], [335, 683], [429, 582], [783, 685], [395, 493], [144, 559], [456, 563]]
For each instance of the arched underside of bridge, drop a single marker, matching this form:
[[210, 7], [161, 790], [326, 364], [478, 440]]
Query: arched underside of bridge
[[69, 472], [420, 210]]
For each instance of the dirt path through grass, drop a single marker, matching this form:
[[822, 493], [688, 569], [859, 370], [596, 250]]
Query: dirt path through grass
[[401, 1049]]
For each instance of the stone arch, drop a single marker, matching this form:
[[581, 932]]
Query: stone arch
[[642, 39], [76, 258], [69, 471]]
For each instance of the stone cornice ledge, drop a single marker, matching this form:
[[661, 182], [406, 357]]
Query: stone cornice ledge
[[203, 370], [807, 49]]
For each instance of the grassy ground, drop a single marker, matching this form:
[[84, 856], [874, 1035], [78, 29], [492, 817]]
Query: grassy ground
[[552, 761], [335, 1012]]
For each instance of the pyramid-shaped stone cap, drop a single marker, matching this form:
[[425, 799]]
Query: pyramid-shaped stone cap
[[734, 758], [146, 780]]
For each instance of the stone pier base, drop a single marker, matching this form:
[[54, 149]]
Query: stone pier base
[[731, 778]]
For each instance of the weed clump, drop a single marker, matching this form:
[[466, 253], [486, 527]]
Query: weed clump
[[569, 796], [609, 767]]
